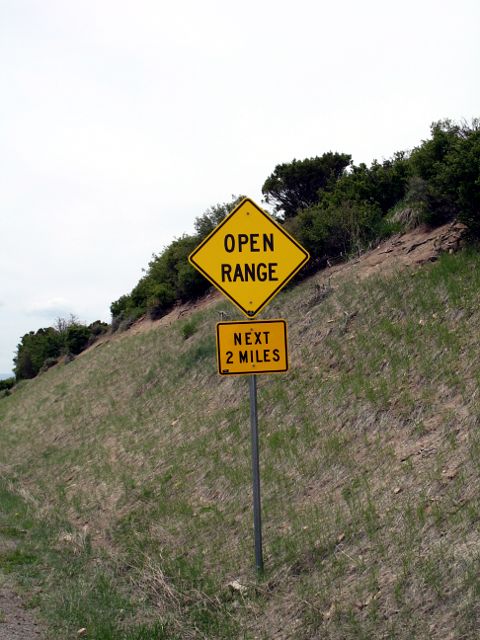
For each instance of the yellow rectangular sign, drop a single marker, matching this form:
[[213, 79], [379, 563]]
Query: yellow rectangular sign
[[252, 347]]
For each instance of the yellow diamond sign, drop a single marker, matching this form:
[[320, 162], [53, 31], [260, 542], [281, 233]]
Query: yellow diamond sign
[[249, 257]]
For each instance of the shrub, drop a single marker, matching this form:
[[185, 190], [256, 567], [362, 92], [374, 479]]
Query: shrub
[[38, 351], [212, 217], [296, 185], [448, 165], [76, 338], [333, 231], [47, 364], [126, 323], [7, 384], [382, 184], [98, 328], [34, 349], [120, 306], [160, 301], [188, 328]]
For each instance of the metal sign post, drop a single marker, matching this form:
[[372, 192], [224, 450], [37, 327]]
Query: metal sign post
[[257, 508], [250, 257]]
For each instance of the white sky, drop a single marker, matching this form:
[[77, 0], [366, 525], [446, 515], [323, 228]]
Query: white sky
[[120, 122]]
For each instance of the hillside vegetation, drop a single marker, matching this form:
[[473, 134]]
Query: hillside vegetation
[[125, 474], [335, 208]]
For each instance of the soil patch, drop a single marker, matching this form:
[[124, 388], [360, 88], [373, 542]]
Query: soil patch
[[415, 247], [16, 622]]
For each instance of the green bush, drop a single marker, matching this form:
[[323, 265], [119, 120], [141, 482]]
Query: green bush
[[160, 301], [336, 231], [188, 328], [120, 306], [77, 338], [98, 328], [382, 184], [7, 384], [34, 349], [38, 351], [296, 185], [125, 319], [169, 277], [333, 207], [48, 363], [212, 217], [449, 169]]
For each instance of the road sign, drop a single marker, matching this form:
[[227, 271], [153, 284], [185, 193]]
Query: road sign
[[249, 257], [252, 347]]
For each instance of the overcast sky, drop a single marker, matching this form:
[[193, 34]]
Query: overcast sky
[[120, 122]]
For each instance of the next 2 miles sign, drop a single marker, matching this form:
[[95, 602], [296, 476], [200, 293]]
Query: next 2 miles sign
[[252, 347], [249, 257]]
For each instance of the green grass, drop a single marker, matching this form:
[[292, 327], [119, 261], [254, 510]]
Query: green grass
[[74, 585], [126, 474]]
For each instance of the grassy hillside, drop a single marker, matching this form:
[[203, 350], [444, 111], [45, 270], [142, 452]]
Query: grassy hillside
[[125, 474]]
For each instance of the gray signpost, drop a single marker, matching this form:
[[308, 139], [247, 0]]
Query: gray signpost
[[257, 507], [249, 257]]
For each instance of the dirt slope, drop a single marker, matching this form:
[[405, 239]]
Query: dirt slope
[[418, 246], [415, 247]]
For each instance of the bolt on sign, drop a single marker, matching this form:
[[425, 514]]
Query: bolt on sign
[[258, 346], [249, 257]]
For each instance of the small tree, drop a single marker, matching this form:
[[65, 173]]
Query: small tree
[[76, 338], [448, 163], [336, 230], [34, 349], [296, 185], [212, 217], [7, 383]]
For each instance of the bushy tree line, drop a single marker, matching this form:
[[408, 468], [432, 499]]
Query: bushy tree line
[[334, 208], [41, 349], [169, 277], [296, 185], [358, 205]]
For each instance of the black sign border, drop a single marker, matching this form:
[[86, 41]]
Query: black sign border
[[223, 372], [255, 312]]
